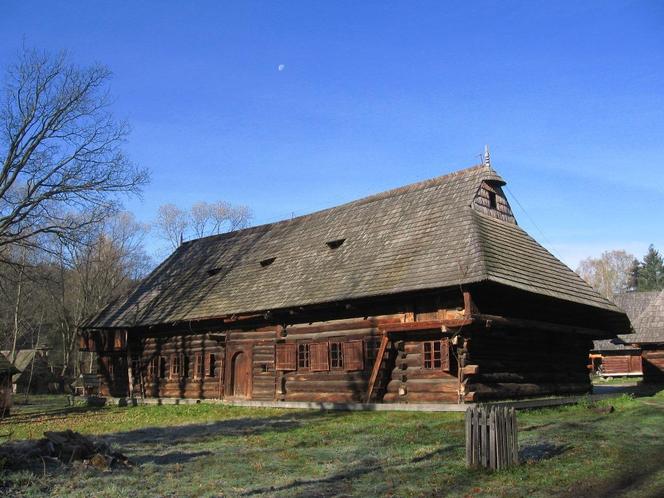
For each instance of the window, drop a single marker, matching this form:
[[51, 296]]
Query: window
[[492, 200], [432, 354], [333, 244], [373, 345], [303, 356], [336, 355], [163, 367], [213, 271], [212, 365], [199, 366], [185, 366], [176, 365], [436, 355], [135, 367], [153, 368]]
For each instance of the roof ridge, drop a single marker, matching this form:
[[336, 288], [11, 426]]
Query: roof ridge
[[412, 187]]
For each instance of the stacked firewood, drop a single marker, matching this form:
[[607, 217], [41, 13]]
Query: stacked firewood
[[61, 447]]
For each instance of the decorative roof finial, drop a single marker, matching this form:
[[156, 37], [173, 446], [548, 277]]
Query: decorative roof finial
[[487, 157]]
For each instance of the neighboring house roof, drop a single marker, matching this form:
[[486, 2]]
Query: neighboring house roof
[[634, 303], [6, 366], [422, 236], [616, 344], [23, 361], [649, 326]]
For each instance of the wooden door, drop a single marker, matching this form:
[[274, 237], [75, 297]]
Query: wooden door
[[241, 375]]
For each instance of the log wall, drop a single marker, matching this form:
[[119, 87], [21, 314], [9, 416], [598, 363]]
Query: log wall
[[189, 384], [334, 384], [517, 363], [410, 380], [653, 363], [622, 364]]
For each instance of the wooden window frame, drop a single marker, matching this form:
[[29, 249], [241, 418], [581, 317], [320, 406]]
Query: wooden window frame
[[199, 366], [336, 355], [211, 367], [436, 355], [164, 368], [176, 366], [372, 346], [303, 356], [493, 200]]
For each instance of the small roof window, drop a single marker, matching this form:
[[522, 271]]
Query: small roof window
[[493, 204], [213, 271], [333, 244], [267, 261]]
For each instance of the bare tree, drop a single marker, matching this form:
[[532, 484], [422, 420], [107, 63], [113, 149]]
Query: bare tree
[[87, 274], [202, 219], [609, 274], [61, 162], [171, 224]]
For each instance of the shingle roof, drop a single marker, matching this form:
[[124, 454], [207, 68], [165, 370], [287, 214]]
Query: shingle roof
[[634, 303], [616, 344], [422, 236], [649, 326], [22, 361]]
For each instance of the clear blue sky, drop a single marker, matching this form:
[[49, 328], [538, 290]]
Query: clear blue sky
[[375, 95]]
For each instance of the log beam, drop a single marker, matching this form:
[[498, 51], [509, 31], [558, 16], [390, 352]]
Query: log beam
[[538, 325]]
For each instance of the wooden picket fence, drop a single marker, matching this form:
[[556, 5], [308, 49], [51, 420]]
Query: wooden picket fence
[[491, 437]]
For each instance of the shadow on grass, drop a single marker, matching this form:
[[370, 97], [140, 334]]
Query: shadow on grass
[[47, 415], [334, 484], [541, 451], [170, 458], [626, 479], [193, 433]]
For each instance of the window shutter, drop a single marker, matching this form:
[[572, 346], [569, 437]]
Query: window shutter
[[286, 357], [445, 354], [320, 358], [353, 355]]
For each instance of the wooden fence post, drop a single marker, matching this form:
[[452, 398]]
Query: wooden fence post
[[491, 437]]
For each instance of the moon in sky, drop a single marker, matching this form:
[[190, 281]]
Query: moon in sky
[[281, 67]]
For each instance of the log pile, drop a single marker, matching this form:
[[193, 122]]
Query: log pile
[[61, 448]]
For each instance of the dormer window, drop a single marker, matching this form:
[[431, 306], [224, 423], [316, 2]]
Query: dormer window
[[267, 261], [333, 244], [492, 200], [213, 271]]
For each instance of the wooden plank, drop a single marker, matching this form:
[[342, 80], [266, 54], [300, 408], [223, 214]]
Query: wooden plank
[[376, 368], [469, 439], [428, 325]]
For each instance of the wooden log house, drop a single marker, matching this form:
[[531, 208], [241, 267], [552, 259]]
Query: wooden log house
[[617, 357], [426, 293], [648, 336]]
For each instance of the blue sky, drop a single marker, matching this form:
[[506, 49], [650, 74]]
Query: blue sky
[[374, 95]]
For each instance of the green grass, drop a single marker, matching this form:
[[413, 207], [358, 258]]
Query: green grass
[[213, 450]]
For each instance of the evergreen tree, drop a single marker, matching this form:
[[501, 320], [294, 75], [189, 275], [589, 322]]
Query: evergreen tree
[[633, 278], [651, 271]]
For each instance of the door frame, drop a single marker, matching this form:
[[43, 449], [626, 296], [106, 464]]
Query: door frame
[[231, 352]]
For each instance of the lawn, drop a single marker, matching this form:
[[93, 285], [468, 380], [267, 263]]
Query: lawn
[[214, 450]]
